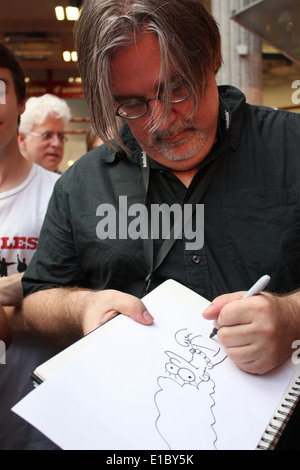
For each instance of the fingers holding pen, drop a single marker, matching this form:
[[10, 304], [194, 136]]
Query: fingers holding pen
[[232, 310], [250, 330], [243, 312], [222, 307], [214, 311], [256, 328]]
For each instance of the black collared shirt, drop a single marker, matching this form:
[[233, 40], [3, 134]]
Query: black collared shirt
[[251, 213]]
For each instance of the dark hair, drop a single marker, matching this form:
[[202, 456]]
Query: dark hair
[[188, 37], [9, 61]]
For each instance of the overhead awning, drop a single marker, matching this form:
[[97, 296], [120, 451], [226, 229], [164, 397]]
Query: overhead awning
[[276, 22]]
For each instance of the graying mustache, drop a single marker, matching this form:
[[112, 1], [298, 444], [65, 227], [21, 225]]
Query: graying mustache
[[160, 136]]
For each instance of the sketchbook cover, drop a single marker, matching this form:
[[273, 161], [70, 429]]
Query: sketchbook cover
[[166, 386]]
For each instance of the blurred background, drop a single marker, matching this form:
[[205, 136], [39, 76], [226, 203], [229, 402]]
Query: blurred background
[[261, 53]]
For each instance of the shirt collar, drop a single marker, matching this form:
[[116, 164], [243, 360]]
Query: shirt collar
[[232, 111]]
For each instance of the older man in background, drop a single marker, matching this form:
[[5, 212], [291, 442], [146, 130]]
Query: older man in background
[[42, 130]]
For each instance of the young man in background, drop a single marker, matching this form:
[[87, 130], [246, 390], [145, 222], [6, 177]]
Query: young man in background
[[25, 189]]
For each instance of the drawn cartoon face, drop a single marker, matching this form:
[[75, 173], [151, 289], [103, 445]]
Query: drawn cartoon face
[[186, 375], [184, 372]]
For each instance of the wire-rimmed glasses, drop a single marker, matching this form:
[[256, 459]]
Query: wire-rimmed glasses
[[136, 108], [48, 136]]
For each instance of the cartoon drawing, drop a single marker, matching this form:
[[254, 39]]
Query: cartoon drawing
[[187, 381]]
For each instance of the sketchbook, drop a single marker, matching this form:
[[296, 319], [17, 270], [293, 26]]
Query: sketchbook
[[167, 386]]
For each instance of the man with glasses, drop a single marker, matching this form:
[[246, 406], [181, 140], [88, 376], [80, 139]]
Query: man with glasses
[[42, 130], [154, 64]]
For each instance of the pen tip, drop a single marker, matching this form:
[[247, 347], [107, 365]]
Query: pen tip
[[213, 333]]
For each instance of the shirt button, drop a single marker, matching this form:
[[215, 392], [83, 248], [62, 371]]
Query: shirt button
[[196, 259]]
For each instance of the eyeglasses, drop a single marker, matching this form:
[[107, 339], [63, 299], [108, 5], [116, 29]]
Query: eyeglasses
[[134, 109], [49, 135]]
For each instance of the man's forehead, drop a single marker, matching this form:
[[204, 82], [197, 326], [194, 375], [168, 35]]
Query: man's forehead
[[52, 123], [137, 70], [159, 85]]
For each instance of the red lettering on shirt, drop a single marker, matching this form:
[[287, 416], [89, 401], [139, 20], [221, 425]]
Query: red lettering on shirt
[[32, 243], [5, 245], [18, 243]]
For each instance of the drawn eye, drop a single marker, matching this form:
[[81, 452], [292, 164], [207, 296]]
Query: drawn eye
[[171, 368], [186, 375]]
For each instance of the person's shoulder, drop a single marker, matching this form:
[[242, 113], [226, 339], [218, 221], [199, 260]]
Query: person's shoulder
[[98, 154], [269, 110], [236, 100], [277, 120], [103, 161], [43, 176], [93, 161], [46, 174], [85, 170]]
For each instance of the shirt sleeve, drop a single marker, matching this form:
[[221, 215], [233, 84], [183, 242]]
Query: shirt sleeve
[[55, 262]]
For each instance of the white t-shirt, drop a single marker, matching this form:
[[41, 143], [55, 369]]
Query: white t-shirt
[[22, 211]]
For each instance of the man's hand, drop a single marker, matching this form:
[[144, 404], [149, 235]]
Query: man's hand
[[257, 332], [106, 304], [63, 315]]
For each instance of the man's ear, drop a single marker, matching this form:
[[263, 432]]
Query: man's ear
[[22, 106], [22, 141]]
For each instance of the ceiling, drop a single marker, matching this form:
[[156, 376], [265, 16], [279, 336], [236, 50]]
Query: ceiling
[[31, 30]]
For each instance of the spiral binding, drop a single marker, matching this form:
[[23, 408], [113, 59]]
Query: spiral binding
[[274, 430]]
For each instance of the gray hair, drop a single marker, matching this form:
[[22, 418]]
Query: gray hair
[[38, 109], [188, 37]]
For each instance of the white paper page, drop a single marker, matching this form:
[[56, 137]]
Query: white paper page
[[167, 386]]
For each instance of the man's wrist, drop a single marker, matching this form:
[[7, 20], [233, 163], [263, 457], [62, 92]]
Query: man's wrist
[[290, 309]]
